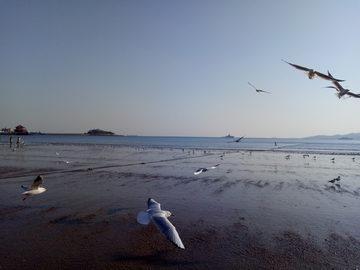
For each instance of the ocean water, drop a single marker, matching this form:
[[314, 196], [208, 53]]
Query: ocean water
[[207, 143]]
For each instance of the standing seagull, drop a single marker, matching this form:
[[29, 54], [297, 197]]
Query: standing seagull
[[341, 90], [312, 73], [258, 90], [35, 188], [159, 218]]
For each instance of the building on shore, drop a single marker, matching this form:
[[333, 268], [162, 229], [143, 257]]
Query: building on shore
[[21, 130], [7, 131]]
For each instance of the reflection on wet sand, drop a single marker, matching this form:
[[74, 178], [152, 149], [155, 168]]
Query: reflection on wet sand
[[254, 211]]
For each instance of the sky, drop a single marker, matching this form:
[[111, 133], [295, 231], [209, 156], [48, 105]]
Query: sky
[[179, 68]]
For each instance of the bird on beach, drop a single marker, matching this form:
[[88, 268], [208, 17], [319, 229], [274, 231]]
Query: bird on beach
[[342, 91], [335, 179], [198, 171], [258, 90], [35, 188], [313, 74], [159, 218]]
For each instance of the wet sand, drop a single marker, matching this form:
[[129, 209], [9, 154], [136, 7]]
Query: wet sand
[[257, 210]]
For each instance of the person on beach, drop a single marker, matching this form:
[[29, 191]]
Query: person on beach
[[11, 140], [18, 141]]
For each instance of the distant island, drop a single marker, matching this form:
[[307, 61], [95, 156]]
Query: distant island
[[350, 136], [99, 132]]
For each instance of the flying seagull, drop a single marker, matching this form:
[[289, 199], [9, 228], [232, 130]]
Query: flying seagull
[[34, 188], [258, 90], [341, 90], [205, 169], [312, 73], [238, 140], [159, 218]]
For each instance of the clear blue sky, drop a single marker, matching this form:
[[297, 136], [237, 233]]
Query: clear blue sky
[[179, 68]]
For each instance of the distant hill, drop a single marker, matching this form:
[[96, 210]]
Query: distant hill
[[354, 136], [100, 132]]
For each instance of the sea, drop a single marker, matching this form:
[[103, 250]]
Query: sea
[[351, 147]]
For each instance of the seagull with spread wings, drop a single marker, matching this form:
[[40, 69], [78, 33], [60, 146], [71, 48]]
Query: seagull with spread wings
[[159, 218], [312, 73], [238, 140], [35, 188], [342, 91], [258, 90]]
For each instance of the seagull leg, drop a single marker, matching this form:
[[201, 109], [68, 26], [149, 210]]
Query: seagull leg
[[25, 198]]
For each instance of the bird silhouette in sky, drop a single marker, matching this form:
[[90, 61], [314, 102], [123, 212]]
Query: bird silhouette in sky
[[258, 90]]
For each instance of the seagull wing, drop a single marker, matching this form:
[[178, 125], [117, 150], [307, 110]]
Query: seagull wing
[[215, 166], [333, 87], [353, 95], [297, 66], [199, 171], [37, 182], [167, 229], [263, 91], [238, 140], [153, 205], [326, 77], [252, 86]]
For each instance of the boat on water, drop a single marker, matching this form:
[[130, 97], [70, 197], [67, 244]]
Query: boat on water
[[36, 133], [345, 138], [228, 136]]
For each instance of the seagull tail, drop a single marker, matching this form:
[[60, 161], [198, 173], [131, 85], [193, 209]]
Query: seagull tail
[[143, 218]]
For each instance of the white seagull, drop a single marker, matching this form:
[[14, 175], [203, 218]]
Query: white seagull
[[35, 188], [258, 90], [159, 218], [312, 73], [341, 90], [198, 171]]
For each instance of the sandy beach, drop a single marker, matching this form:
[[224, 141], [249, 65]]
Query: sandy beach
[[257, 210]]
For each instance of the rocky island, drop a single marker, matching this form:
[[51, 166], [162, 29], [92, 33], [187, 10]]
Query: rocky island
[[100, 132]]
